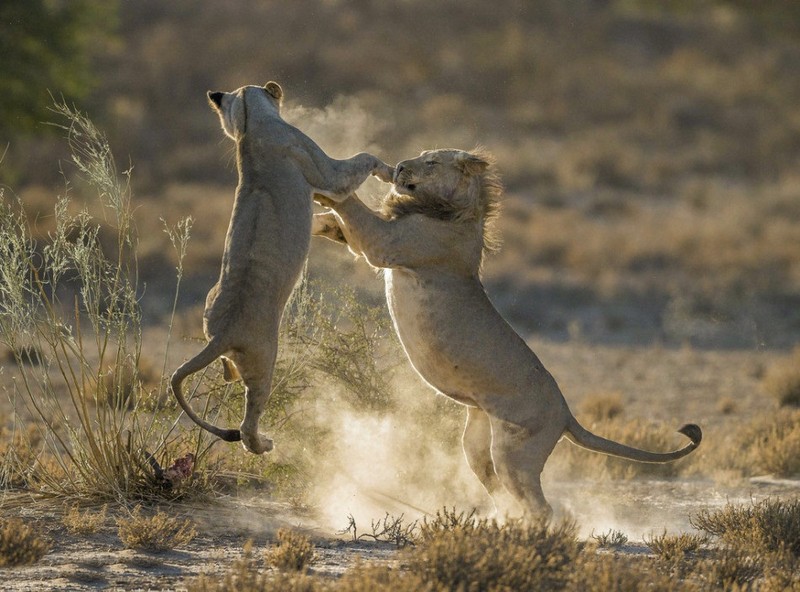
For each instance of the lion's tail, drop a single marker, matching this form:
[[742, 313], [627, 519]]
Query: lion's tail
[[210, 352], [583, 437]]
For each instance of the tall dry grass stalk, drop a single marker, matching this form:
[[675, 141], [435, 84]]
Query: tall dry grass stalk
[[75, 301]]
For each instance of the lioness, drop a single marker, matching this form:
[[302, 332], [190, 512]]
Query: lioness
[[434, 229], [280, 168]]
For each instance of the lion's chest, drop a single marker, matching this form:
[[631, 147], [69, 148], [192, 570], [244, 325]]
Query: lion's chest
[[426, 318]]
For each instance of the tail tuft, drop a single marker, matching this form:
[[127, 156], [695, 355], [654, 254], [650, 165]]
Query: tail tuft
[[693, 432]]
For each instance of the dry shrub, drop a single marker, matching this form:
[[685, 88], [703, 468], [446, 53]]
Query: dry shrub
[[604, 572], [244, 576], [767, 444], [769, 526], [87, 522], [159, 532], [675, 547], [19, 544], [782, 380], [461, 552], [293, 551], [25, 461], [611, 539], [600, 407]]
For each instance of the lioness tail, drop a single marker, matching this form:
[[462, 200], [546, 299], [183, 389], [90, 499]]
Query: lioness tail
[[209, 353]]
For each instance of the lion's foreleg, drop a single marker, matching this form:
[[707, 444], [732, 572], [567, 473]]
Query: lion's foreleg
[[327, 225]]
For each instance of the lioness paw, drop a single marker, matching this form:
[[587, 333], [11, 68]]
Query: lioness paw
[[384, 172]]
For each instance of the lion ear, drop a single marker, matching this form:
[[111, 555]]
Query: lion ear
[[274, 89], [471, 164]]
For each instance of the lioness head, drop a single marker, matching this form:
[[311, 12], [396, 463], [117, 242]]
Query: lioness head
[[233, 107], [448, 185]]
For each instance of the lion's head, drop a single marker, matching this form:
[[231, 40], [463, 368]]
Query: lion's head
[[449, 185], [233, 107]]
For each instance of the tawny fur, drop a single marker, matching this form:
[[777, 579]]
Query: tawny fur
[[266, 246], [430, 239]]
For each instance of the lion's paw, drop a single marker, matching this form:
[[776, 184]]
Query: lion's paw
[[257, 444]]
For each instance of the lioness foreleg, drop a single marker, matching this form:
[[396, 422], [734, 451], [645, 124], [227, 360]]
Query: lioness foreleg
[[337, 179]]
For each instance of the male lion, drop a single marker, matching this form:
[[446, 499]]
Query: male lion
[[280, 168], [430, 238]]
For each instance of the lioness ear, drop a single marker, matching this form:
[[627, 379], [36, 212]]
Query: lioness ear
[[274, 89], [471, 164]]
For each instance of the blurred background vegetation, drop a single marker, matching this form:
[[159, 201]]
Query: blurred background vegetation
[[650, 149]]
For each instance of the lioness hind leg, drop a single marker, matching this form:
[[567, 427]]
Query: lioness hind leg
[[519, 457], [257, 376], [477, 444]]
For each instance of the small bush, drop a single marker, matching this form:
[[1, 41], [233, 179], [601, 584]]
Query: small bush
[[19, 544], [770, 525], [293, 551], [605, 572], [675, 547], [461, 552], [611, 539], [159, 532], [87, 522], [782, 380]]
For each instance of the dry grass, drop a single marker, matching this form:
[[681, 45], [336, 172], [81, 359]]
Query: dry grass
[[601, 407], [159, 532], [86, 522], [20, 544], [675, 547], [292, 552], [611, 539], [782, 380], [770, 526]]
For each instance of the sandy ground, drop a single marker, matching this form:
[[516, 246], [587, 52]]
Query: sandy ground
[[674, 385]]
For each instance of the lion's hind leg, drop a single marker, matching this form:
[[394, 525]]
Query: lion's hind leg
[[477, 444], [520, 454]]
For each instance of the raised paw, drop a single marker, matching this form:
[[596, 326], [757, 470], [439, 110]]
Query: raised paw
[[384, 172], [256, 443]]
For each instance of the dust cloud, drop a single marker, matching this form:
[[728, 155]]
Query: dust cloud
[[404, 461]]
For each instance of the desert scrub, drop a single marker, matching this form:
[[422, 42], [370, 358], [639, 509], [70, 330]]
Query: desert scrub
[[768, 444], [86, 522], [159, 532], [19, 544], [674, 547], [782, 380], [458, 551], [610, 539], [771, 525], [292, 552]]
